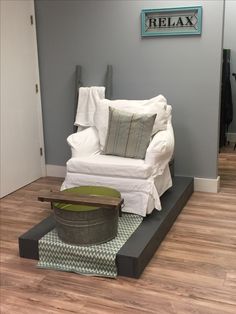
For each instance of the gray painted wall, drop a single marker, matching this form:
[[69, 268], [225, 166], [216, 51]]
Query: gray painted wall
[[230, 43], [184, 69]]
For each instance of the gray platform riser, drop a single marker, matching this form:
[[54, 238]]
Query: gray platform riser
[[140, 247]]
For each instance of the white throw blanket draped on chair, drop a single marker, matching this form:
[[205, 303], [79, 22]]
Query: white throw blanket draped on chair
[[87, 100]]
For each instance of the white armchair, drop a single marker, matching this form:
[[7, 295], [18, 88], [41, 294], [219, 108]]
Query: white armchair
[[141, 182]]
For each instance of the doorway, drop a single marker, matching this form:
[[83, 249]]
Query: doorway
[[227, 149], [228, 99]]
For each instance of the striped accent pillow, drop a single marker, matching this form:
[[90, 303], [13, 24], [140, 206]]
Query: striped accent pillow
[[128, 133]]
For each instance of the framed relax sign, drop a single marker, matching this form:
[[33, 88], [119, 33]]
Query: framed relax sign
[[172, 21]]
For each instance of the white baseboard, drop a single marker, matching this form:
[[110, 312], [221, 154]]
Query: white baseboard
[[207, 185], [231, 137], [55, 171]]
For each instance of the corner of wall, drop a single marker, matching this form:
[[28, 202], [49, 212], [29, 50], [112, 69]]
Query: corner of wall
[[55, 171], [207, 185]]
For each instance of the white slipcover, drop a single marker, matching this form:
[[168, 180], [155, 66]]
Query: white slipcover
[[141, 182]]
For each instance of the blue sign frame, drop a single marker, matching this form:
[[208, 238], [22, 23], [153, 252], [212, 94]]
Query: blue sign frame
[[171, 21]]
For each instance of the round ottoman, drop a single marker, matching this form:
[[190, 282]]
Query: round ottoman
[[86, 225]]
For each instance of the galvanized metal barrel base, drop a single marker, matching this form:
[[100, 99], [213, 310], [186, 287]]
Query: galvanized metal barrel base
[[88, 227]]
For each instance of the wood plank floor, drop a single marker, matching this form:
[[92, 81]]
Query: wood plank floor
[[193, 271]]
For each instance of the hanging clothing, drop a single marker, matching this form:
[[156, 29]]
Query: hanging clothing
[[226, 112]]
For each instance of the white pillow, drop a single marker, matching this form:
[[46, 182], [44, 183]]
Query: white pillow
[[154, 105]]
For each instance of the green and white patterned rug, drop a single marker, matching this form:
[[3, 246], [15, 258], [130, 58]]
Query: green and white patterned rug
[[94, 260]]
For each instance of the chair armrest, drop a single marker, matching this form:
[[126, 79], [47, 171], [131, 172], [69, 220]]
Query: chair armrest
[[84, 143], [160, 150]]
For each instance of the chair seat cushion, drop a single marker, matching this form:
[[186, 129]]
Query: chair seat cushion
[[114, 166]]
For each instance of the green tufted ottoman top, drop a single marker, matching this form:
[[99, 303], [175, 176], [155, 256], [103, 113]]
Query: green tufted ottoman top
[[87, 190]]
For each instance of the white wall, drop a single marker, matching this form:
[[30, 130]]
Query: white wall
[[230, 43]]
